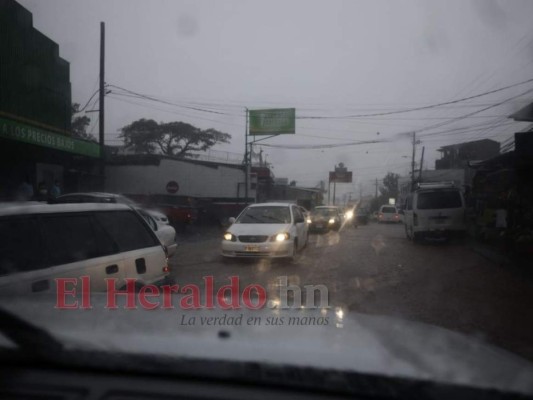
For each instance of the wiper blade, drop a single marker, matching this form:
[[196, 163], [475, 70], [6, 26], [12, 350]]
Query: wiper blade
[[29, 338], [273, 219]]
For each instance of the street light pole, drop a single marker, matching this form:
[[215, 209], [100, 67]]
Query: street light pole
[[413, 162], [101, 106]]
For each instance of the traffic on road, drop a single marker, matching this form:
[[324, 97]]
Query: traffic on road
[[226, 199]]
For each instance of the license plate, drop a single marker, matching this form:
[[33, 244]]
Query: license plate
[[252, 249]]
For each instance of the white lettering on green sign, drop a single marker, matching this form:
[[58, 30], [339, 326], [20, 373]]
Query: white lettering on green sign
[[24, 133], [272, 121]]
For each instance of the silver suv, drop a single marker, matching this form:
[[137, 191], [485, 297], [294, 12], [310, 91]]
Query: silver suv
[[43, 242]]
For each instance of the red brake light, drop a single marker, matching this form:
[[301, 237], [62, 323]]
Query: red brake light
[[166, 269]]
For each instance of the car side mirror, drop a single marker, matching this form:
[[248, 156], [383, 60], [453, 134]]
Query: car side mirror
[[231, 220]]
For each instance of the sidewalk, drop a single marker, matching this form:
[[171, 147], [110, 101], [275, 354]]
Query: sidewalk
[[493, 253]]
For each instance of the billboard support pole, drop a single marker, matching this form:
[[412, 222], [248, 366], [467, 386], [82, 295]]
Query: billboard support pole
[[246, 162]]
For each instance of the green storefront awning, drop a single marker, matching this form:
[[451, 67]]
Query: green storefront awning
[[28, 134]]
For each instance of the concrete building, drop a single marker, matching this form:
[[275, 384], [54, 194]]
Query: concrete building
[[457, 156], [154, 180], [36, 145]]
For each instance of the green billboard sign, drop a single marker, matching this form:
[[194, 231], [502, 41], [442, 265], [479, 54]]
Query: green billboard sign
[[274, 121], [24, 133]]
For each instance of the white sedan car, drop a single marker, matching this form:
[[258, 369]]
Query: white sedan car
[[159, 217], [266, 230], [165, 232]]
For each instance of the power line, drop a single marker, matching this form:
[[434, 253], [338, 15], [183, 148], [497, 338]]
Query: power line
[[168, 102], [474, 112], [86, 104], [424, 107], [131, 93], [321, 146], [173, 112]]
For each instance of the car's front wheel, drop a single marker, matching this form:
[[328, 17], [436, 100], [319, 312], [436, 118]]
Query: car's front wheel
[[407, 233], [294, 252]]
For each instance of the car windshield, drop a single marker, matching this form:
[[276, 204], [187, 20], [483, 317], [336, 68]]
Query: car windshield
[[265, 215], [325, 212], [343, 186], [439, 200]]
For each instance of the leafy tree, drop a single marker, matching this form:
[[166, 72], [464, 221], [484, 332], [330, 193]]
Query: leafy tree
[[388, 190], [140, 135], [390, 185], [79, 124], [177, 139]]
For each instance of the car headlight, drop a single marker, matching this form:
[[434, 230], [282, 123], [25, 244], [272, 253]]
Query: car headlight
[[349, 214], [331, 221], [280, 237], [309, 220], [230, 237]]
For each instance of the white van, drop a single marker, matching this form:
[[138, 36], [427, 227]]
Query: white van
[[39, 243], [434, 210]]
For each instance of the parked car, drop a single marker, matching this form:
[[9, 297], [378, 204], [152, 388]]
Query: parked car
[[159, 217], [93, 197], [266, 230], [305, 212], [165, 232], [388, 214], [39, 243], [179, 215], [435, 210], [325, 218], [361, 216]]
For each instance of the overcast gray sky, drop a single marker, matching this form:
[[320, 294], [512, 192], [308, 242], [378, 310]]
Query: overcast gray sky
[[325, 58]]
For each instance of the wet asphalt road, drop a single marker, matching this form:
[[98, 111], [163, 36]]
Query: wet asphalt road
[[374, 269]]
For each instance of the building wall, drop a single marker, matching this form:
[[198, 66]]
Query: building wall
[[457, 156], [194, 180], [34, 80], [36, 146]]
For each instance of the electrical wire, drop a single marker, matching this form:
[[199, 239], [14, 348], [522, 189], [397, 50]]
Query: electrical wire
[[321, 146], [424, 107], [475, 112]]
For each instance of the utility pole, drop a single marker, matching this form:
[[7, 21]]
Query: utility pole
[[376, 195], [101, 107], [413, 162], [246, 161], [334, 189], [421, 165]]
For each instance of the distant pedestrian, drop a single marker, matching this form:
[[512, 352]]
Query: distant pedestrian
[[55, 190], [25, 191], [42, 193]]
